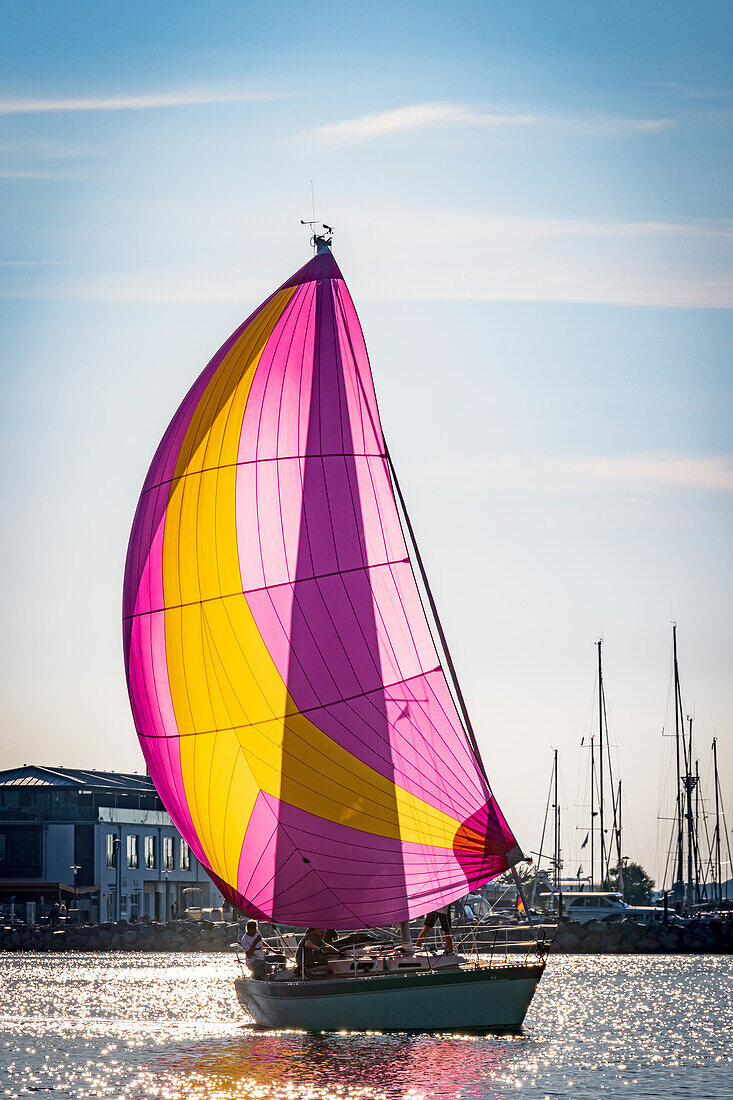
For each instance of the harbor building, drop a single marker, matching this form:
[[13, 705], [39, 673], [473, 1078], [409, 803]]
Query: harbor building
[[101, 842]]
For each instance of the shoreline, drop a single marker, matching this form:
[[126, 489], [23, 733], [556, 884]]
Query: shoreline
[[697, 937]]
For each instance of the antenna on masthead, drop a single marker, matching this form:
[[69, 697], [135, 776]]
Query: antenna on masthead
[[320, 241]]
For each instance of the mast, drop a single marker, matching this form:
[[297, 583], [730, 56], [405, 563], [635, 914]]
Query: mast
[[592, 813], [677, 753], [718, 866], [600, 767], [699, 873], [690, 833], [556, 856], [618, 843], [559, 862]]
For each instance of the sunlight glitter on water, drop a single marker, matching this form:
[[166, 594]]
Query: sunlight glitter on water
[[169, 1027]]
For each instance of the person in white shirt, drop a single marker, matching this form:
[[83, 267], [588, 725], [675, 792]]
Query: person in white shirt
[[254, 951]]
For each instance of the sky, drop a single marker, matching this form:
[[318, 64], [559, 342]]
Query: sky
[[532, 210]]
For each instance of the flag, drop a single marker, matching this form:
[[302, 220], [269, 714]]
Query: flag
[[582, 846], [520, 905]]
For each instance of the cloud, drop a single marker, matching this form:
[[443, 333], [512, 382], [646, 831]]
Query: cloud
[[45, 149], [465, 256], [435, 255], [31, 174], [690, 91], [454, 224], [450, 255], [355, 131], [39, 263], [147, 101], [640, 474]]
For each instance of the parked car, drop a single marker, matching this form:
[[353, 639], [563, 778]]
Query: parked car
[[606, 906]]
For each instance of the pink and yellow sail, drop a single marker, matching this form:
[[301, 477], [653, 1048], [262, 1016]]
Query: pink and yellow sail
[[285, 686]]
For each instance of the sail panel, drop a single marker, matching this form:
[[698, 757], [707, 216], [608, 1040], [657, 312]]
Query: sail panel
[[282, 675]]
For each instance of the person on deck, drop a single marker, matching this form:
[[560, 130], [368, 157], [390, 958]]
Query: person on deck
[[442, 915], [314, 950], [254, 951]]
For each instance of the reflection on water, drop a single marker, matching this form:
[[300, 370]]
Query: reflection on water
[[145, 1026], [377, 1066]]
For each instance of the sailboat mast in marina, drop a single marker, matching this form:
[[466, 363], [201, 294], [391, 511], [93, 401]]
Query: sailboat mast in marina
[[603, 789], [694, 854], [302, 724]]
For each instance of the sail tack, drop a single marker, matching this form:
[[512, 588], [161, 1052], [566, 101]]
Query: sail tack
[[284, 683]]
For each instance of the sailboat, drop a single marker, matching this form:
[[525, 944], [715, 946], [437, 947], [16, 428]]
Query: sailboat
[[296, 704]]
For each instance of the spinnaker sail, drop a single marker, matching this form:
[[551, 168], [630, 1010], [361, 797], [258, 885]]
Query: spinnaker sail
[[284, 682]]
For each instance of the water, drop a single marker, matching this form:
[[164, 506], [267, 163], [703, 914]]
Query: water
[[168, 1026]]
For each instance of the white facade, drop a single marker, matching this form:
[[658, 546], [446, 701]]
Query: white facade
[[145, 890]]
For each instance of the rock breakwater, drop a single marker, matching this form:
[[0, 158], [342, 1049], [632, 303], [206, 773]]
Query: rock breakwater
[[627, 937], [123, 936], [594, 938]]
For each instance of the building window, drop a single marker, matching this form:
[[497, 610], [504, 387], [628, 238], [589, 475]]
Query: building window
[[150, 852], [111, 862], [20, 851], [185, 854], [167, 853], [133, 859]]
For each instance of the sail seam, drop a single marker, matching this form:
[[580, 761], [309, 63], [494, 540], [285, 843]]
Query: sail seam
[[294, 713], [267, 588], [254, 462]]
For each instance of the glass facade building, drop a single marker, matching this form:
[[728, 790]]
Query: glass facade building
[[100, 841]]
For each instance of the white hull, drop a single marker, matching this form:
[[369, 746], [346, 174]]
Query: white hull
[[487, 997]]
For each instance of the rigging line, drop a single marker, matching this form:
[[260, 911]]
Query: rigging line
[[371, 471], [468, 726], [405, 560], [378, 430], [363, 408], [615, 807], [544, 824]]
